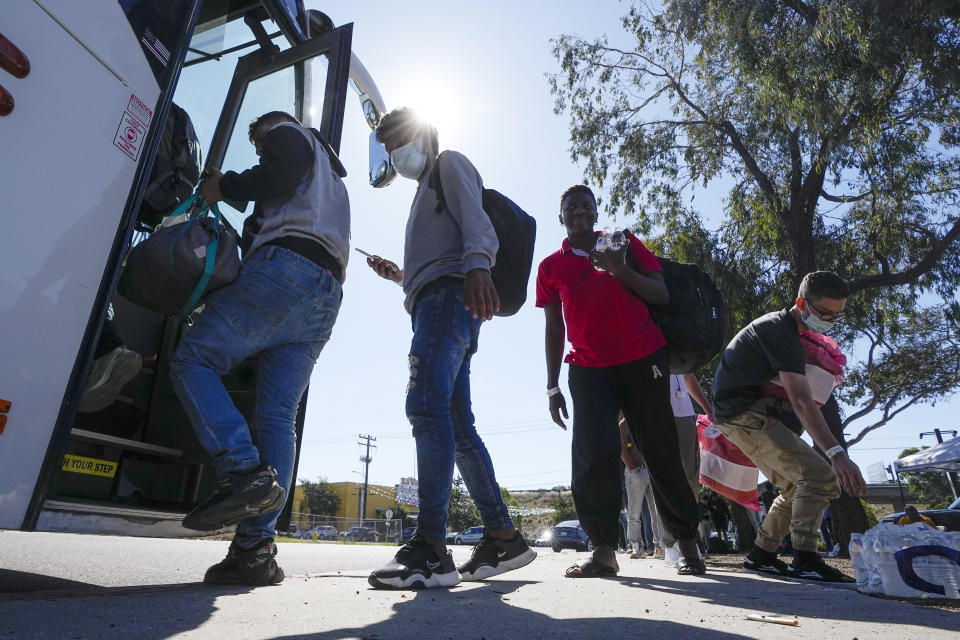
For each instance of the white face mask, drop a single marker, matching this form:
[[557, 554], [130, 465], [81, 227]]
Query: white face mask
[[409, 160], [814, 323]]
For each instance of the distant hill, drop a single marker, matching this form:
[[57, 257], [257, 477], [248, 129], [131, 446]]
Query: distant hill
[[533, 526]]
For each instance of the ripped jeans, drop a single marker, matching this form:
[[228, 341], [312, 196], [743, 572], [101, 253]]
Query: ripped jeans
[[438, 406]]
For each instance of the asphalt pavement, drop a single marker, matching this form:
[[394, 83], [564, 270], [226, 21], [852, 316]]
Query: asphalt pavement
[[55, 585]]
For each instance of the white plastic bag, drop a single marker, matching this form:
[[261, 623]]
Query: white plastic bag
[[910, 561]]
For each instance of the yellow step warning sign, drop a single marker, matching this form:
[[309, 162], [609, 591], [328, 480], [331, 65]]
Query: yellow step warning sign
[[91, 466]]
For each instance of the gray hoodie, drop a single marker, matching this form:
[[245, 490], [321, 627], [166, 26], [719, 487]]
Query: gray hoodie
[[454, 241]]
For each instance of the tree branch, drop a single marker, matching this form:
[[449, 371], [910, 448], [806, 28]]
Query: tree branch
[[909, 275], [887, 416], [795, 167], [805, 11], [843, 199]]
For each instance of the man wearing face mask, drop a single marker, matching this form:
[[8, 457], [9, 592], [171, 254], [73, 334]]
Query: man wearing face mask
[[448, 253], [768, 347]]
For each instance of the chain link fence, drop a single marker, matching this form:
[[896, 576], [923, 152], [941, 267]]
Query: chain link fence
[[305, 525]]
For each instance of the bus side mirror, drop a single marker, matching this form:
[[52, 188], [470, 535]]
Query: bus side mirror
[[382, 172]]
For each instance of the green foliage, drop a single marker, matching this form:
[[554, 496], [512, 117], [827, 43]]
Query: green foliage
[[510, 501], [832, 129], [931, 487], [563, 503], [872, 520], [462, 513], [320, 497], [399, 513]]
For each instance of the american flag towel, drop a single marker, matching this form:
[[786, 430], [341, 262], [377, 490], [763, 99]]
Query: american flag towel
[[724, 468]]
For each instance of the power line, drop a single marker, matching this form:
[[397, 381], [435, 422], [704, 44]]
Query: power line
[[493, 429]]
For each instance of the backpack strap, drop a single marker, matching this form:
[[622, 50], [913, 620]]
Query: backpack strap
[[208, 267], [436, 184], [334, 158]]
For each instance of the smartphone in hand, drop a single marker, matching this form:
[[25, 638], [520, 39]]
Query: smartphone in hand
[[361, 251]]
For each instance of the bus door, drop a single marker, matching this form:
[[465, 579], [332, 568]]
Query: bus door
[[159, 472], [85, 90]]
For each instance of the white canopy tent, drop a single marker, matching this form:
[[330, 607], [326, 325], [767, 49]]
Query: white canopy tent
[[942, 457]]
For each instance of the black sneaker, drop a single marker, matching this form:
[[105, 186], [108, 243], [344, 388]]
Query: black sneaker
[[416, 566], [255, 567], [808, 565], [763, 561], [492, 557], [241, 495]]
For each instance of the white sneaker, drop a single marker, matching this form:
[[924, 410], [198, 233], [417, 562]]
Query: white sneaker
[[671, 556]]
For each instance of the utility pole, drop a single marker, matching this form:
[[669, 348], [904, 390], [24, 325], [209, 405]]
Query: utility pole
[[366, 460], [937, 433]]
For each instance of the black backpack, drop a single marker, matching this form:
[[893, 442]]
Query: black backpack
[[694, 322], [516, 231], [176, 169]]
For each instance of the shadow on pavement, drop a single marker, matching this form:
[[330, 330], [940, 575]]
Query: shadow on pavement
[[803, 599], [62, 608], [484, 613]]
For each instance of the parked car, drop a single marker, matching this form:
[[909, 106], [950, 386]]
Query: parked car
[[360, 534], [323, 533], [470, 536], [570, 535], [451, 536], [948, 518], [404, 535], [545, 539]]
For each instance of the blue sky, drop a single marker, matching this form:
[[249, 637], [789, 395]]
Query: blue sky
[[478, 70]]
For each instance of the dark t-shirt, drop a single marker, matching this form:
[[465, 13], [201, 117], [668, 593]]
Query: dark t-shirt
[[768, 345]]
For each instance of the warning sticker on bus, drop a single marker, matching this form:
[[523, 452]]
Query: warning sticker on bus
[[91, 466], [130, 135]]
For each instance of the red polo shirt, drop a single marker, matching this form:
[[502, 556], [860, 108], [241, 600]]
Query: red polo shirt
[[607, 324]]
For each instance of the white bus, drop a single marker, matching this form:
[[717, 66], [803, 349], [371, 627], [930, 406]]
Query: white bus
[[85, 88]]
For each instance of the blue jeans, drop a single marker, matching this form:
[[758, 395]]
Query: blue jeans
[[438, 407], [281, 308]]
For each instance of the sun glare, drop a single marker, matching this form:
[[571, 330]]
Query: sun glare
[[438, 104]]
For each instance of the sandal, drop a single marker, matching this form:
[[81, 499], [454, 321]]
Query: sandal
[[590, 569], [691, 567]]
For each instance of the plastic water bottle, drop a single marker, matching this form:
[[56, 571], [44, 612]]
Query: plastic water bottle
[[938, 570], [603, 240], [859, 562], [617, 240]]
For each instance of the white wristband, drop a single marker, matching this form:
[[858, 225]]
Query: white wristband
[[552, 391], [833, 452]]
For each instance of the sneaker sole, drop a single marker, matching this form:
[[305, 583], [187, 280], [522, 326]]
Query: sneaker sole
[[218, 516], [766, 569], [113, 380], [812, 576], [486, 571], [415, 581], [277, 577]]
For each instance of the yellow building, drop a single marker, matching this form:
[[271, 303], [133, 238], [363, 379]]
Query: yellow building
[[299, 501], [379, 499]]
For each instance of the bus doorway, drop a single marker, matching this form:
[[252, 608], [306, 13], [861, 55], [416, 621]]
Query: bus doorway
[[135, 466]]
